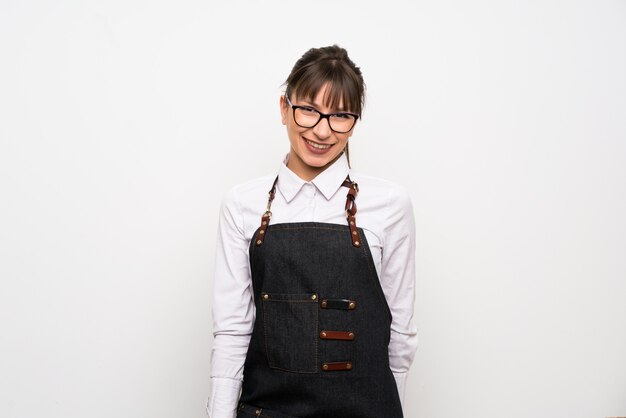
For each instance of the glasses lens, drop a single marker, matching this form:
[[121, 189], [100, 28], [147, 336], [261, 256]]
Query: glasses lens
[[342, 122], [306, 117]]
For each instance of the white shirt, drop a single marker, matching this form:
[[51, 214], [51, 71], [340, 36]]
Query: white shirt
[[384, 212]]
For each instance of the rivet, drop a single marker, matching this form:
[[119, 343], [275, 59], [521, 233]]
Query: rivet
[[258, 412], [323, 334], [351, 222], [357, 243], [325, 367], [266, 296], [264, 223], [353, 232], [324, 304], [349, 366], [313, 296], [351, 305], [259, 242], [261, 232], [351, 335]]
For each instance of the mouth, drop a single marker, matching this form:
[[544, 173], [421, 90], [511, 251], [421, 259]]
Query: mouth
[[316, 146]]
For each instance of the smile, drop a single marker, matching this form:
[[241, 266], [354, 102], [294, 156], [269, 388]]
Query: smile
[[318, 146]]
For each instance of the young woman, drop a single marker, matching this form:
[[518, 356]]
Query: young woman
[[313, 299]]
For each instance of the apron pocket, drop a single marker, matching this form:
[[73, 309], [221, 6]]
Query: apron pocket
[[290, 328], [246, 411]]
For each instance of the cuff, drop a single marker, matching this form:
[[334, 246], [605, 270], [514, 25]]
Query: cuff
[[224, 397], [401, 384]]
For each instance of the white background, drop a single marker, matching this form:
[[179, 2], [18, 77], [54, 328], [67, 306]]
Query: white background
[[124, 123]]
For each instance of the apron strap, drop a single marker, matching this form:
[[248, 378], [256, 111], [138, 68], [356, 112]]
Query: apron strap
[[265, 218], [353, 191]]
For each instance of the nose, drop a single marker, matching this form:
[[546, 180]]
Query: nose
[[322, 129]]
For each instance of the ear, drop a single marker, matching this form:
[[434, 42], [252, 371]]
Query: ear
[[284, 107]]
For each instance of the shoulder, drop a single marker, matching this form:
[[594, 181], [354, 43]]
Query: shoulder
[[247, 200], [252, 189], [382, 191], [385, 207]]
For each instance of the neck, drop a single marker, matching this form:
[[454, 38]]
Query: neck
[[303, 170]]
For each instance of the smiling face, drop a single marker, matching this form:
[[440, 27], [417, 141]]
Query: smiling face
[[312, 149]]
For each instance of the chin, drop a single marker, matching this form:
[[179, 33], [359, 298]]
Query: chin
[[319, 163]]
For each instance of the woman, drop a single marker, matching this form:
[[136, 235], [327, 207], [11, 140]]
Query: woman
[[313, 300]]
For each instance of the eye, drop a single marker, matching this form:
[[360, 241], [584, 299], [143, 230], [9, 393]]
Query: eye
[[307, 110], [343, 116]]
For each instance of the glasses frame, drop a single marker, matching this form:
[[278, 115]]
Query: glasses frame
[[321, 116]]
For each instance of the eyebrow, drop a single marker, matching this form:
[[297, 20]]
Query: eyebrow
[[308, 102]]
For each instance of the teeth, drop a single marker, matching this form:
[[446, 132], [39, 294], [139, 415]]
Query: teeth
[[318, 146]]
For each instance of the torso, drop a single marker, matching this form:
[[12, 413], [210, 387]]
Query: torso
[[319, 347]]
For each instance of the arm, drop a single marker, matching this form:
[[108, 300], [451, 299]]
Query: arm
[[398, 282], [233, 311]]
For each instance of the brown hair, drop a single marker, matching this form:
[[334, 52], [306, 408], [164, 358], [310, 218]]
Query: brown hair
[[330, 64]]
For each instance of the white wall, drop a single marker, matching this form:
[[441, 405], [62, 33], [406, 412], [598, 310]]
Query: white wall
[[123, 123]]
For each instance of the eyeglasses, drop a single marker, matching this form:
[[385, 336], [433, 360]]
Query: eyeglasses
[[308, 117]]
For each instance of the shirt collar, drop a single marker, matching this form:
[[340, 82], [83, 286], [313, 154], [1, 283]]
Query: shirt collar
[[328, 182]]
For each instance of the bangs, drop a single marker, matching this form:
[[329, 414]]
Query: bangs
[[343, 86]]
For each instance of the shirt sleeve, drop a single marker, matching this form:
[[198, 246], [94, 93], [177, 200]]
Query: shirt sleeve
[[233, 311], [398, 282]]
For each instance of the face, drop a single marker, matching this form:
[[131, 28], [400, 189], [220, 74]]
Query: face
[[312, 149]]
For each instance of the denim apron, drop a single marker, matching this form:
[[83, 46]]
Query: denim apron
[[319, 346]]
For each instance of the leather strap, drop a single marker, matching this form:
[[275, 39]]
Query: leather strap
[[265, 218], [337, 366], [337, 304], [353, 191], [337, 335]]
